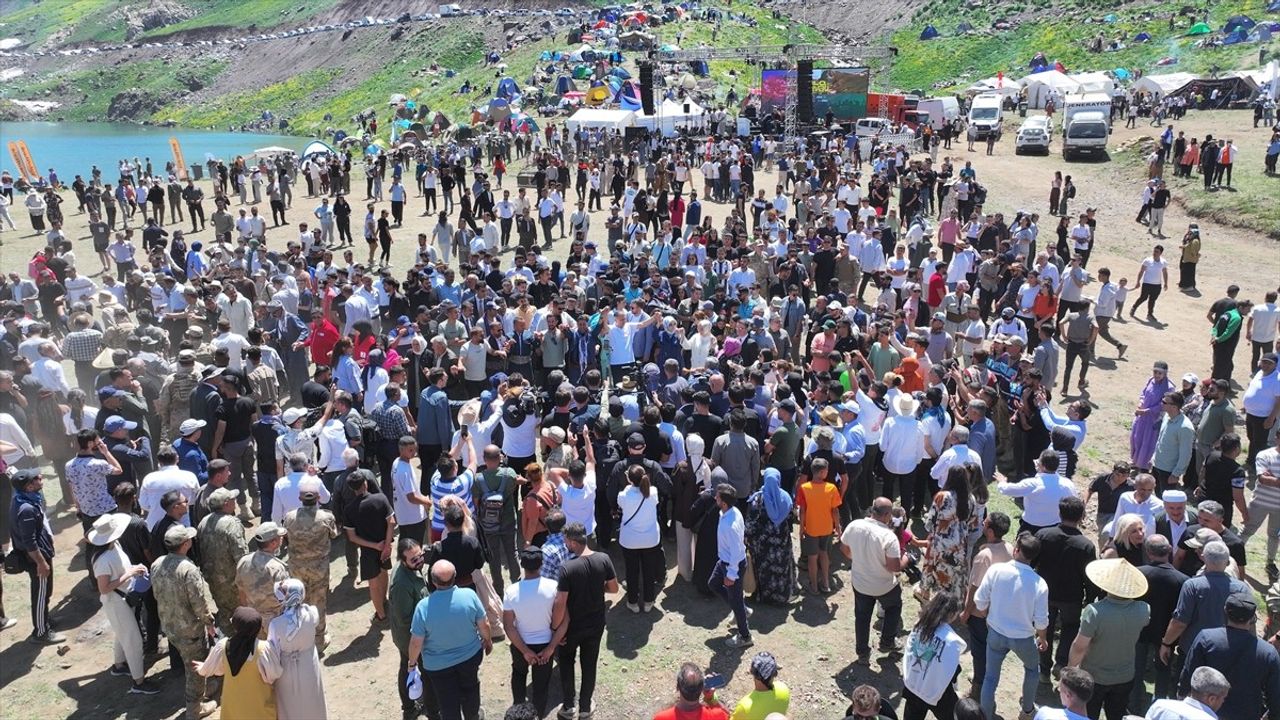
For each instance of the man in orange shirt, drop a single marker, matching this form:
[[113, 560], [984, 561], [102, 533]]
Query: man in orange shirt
[[819, 503]]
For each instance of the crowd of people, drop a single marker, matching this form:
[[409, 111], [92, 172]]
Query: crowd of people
[[486, 431]]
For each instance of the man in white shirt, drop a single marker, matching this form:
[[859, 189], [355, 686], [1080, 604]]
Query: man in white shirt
[[1041, 493], [1261, 402], [527, 608], [1153, 275], [236, 308], [286, 492], [234, 343], [902, 448], [1209, 689], [1141, 501], [412, 507], [876, 559], [48, 371], [1015, 601], [166, 478], [1260, 329]]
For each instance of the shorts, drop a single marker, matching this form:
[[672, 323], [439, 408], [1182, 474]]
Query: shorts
[[810, 545], [372, 564]]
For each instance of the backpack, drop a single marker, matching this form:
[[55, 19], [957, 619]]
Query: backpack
[[490, 508], [369, 441]]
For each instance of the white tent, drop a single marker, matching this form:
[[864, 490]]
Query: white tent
[[1094, 82], [601, 118], [1048, 84], [1160, 85], [673, 115], [1007, 87], [1266, 78]]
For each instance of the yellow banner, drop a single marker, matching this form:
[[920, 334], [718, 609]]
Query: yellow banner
[[26, 156], [179, 163], [17, 160]]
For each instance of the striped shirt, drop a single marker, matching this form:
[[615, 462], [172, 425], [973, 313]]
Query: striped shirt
[[459, 486], [1267, 496]]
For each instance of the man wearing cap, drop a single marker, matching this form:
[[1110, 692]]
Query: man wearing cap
[[31, 536], [1261, 403], [1235, 650], [1109, 630], [258, 572], [222, 545], [1201, 601], [311, 531], [186, 609]]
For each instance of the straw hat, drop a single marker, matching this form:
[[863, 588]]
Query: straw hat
[[830, 416], [1116, 576], [107, 529], [469, 413], [905, 404]]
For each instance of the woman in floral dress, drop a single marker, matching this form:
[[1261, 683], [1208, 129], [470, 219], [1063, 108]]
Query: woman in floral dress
[[946, 561], [769, 520]]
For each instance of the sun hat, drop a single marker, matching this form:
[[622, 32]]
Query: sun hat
[[1117, 577], [107, 529], [190, 425], [830, 416], [906, 404]]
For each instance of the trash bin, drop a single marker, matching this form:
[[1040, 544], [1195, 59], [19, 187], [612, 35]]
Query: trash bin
[[197, 172], [1022, 109]]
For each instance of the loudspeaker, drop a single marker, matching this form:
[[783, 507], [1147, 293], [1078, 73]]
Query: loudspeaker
[[804, 91], [646, 87]]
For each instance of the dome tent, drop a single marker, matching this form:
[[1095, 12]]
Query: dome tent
[[1200, 29], [564, 85], [507, 89], [1142, 37], [1236, 37], [1238, 21], [930, 32], [963, 28]]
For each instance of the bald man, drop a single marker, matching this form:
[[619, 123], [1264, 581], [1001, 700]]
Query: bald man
[[457, 641]]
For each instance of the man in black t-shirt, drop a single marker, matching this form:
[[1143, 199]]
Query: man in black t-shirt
[[579, 616], [1108, 487], [370, 523], [232, 441], [459, 548]]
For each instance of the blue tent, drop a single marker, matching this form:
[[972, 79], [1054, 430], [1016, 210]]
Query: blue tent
[[628, 96], [930, 32], [1274, 6], [1142, 37], [1242, 22], [1236, 37], [565, 85], [699, 67], [1038, 63], [507, 89], [620, 72], [1111, 17], [1120, 73]]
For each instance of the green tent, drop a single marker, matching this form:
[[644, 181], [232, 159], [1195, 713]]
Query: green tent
[[1200, 29], [581, 72]]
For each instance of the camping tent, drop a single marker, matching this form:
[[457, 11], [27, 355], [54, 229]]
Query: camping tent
[[1161, 85], [599, 118], [1238, 21], [673, 115], [963, 28], [1274, 6], [628, 96], [315, 147], [1142, 37], [565, 84], [1094, 82], [507, 89], [598, 95], [498, 110], [583, 54], [1043, 85], [1200, 29], [1266, 78], [1236, 37], [930, 32]]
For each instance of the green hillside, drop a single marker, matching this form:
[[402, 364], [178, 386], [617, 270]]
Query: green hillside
[[1060, 30]]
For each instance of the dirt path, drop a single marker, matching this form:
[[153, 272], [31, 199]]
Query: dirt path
[[813, 640]]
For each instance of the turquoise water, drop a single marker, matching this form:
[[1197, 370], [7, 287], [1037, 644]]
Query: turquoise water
[[73, 148]]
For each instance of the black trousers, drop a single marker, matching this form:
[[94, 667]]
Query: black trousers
[[915, 708], [457, 688], [194, 210], [1067, 617], [277, 212], [505, 223], [645, 568], [1256, 432], [521, 690], [1224, 357], [344, 230], [1114, 699], [1150, 293], [428, 700], [588, 645], [41, 592]]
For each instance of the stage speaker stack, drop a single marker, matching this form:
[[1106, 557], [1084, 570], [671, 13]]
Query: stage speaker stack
[[646, 87], [804, 91]]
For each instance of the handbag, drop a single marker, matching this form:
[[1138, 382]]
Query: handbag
[[748, 577], [17, 562]]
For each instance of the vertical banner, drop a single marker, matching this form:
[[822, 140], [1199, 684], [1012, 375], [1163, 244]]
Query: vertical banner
[[179, 163], [18, 162], [32, 170]]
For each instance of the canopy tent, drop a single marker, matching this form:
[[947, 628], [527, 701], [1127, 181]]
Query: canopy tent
[[1200, 29], [930, 32], [1142, 37], [507, 89], [1219, 93], [1159, 86], [1094, 82], [315, 147], [565, 84], [1238, 21], [272, 150], [994, 85], [674, 115], [600, 118], [1048, 84]]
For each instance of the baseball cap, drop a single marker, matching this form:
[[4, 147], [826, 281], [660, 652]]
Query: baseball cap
[[1241, 607], [635, 439], [269, 531], [108, 392], [789, 406], [292, 415], [178, 534], [190, 425], [221, 496], [116, 423]]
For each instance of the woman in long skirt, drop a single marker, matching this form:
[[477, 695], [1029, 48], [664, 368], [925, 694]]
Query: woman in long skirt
[[946, 562], [704, 518], [769, 522], [292, 635], [248, 667], [1055, 192]]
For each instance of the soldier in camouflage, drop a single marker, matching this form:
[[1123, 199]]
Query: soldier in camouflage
[[258, 572], [186, 610], [174, 403], [222, 544], [311, 531]]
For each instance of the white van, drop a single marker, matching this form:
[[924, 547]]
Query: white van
[[1086, 134], [871, 126], [942, 110], [986, 116]]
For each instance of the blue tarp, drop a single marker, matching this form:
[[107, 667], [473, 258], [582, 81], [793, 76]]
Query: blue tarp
[[1236, 37], [1243, 22], [1142, 37], [507, 89], [930, 32]]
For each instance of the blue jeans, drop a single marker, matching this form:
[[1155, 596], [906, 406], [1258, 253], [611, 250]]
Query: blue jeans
[[731, 595], [267, 490], [997, 647]]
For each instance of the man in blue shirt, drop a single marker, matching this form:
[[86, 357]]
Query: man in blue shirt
[[731, 560], [190, 455], [1236, 651], [451, 635], [1202, 601]]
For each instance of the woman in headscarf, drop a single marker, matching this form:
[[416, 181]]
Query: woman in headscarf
[[670, 345], [292, 635], [248, 667], [701, 346], [769, 520], [690, 477], [946, 561]]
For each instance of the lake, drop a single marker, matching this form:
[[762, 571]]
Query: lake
[[71, 148]]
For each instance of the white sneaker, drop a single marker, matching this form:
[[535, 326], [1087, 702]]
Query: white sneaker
[[633, 607], [646, 607], [738, 642]]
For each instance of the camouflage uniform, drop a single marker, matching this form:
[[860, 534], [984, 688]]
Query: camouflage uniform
[[186, 609], [311, 530], [222, 544], [256, 576], [174, 404]]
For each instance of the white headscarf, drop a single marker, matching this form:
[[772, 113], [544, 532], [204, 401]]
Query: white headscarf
[[694, 447], [291, 593]]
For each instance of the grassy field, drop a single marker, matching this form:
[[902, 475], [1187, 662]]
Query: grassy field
[[982, 53], [87, 94]]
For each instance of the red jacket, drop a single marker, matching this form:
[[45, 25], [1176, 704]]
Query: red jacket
[[324, 335]]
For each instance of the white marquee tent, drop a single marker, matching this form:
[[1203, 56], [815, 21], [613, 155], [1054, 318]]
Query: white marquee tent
[[1043, 85], [1160, 85], [1266, 78], [674, 115], [1094, 82], [601, 118], [1008, 87]]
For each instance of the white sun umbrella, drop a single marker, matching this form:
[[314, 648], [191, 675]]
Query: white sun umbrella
[[272, 150]]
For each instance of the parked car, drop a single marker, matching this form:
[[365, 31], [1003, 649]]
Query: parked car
[[1035, 134]]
